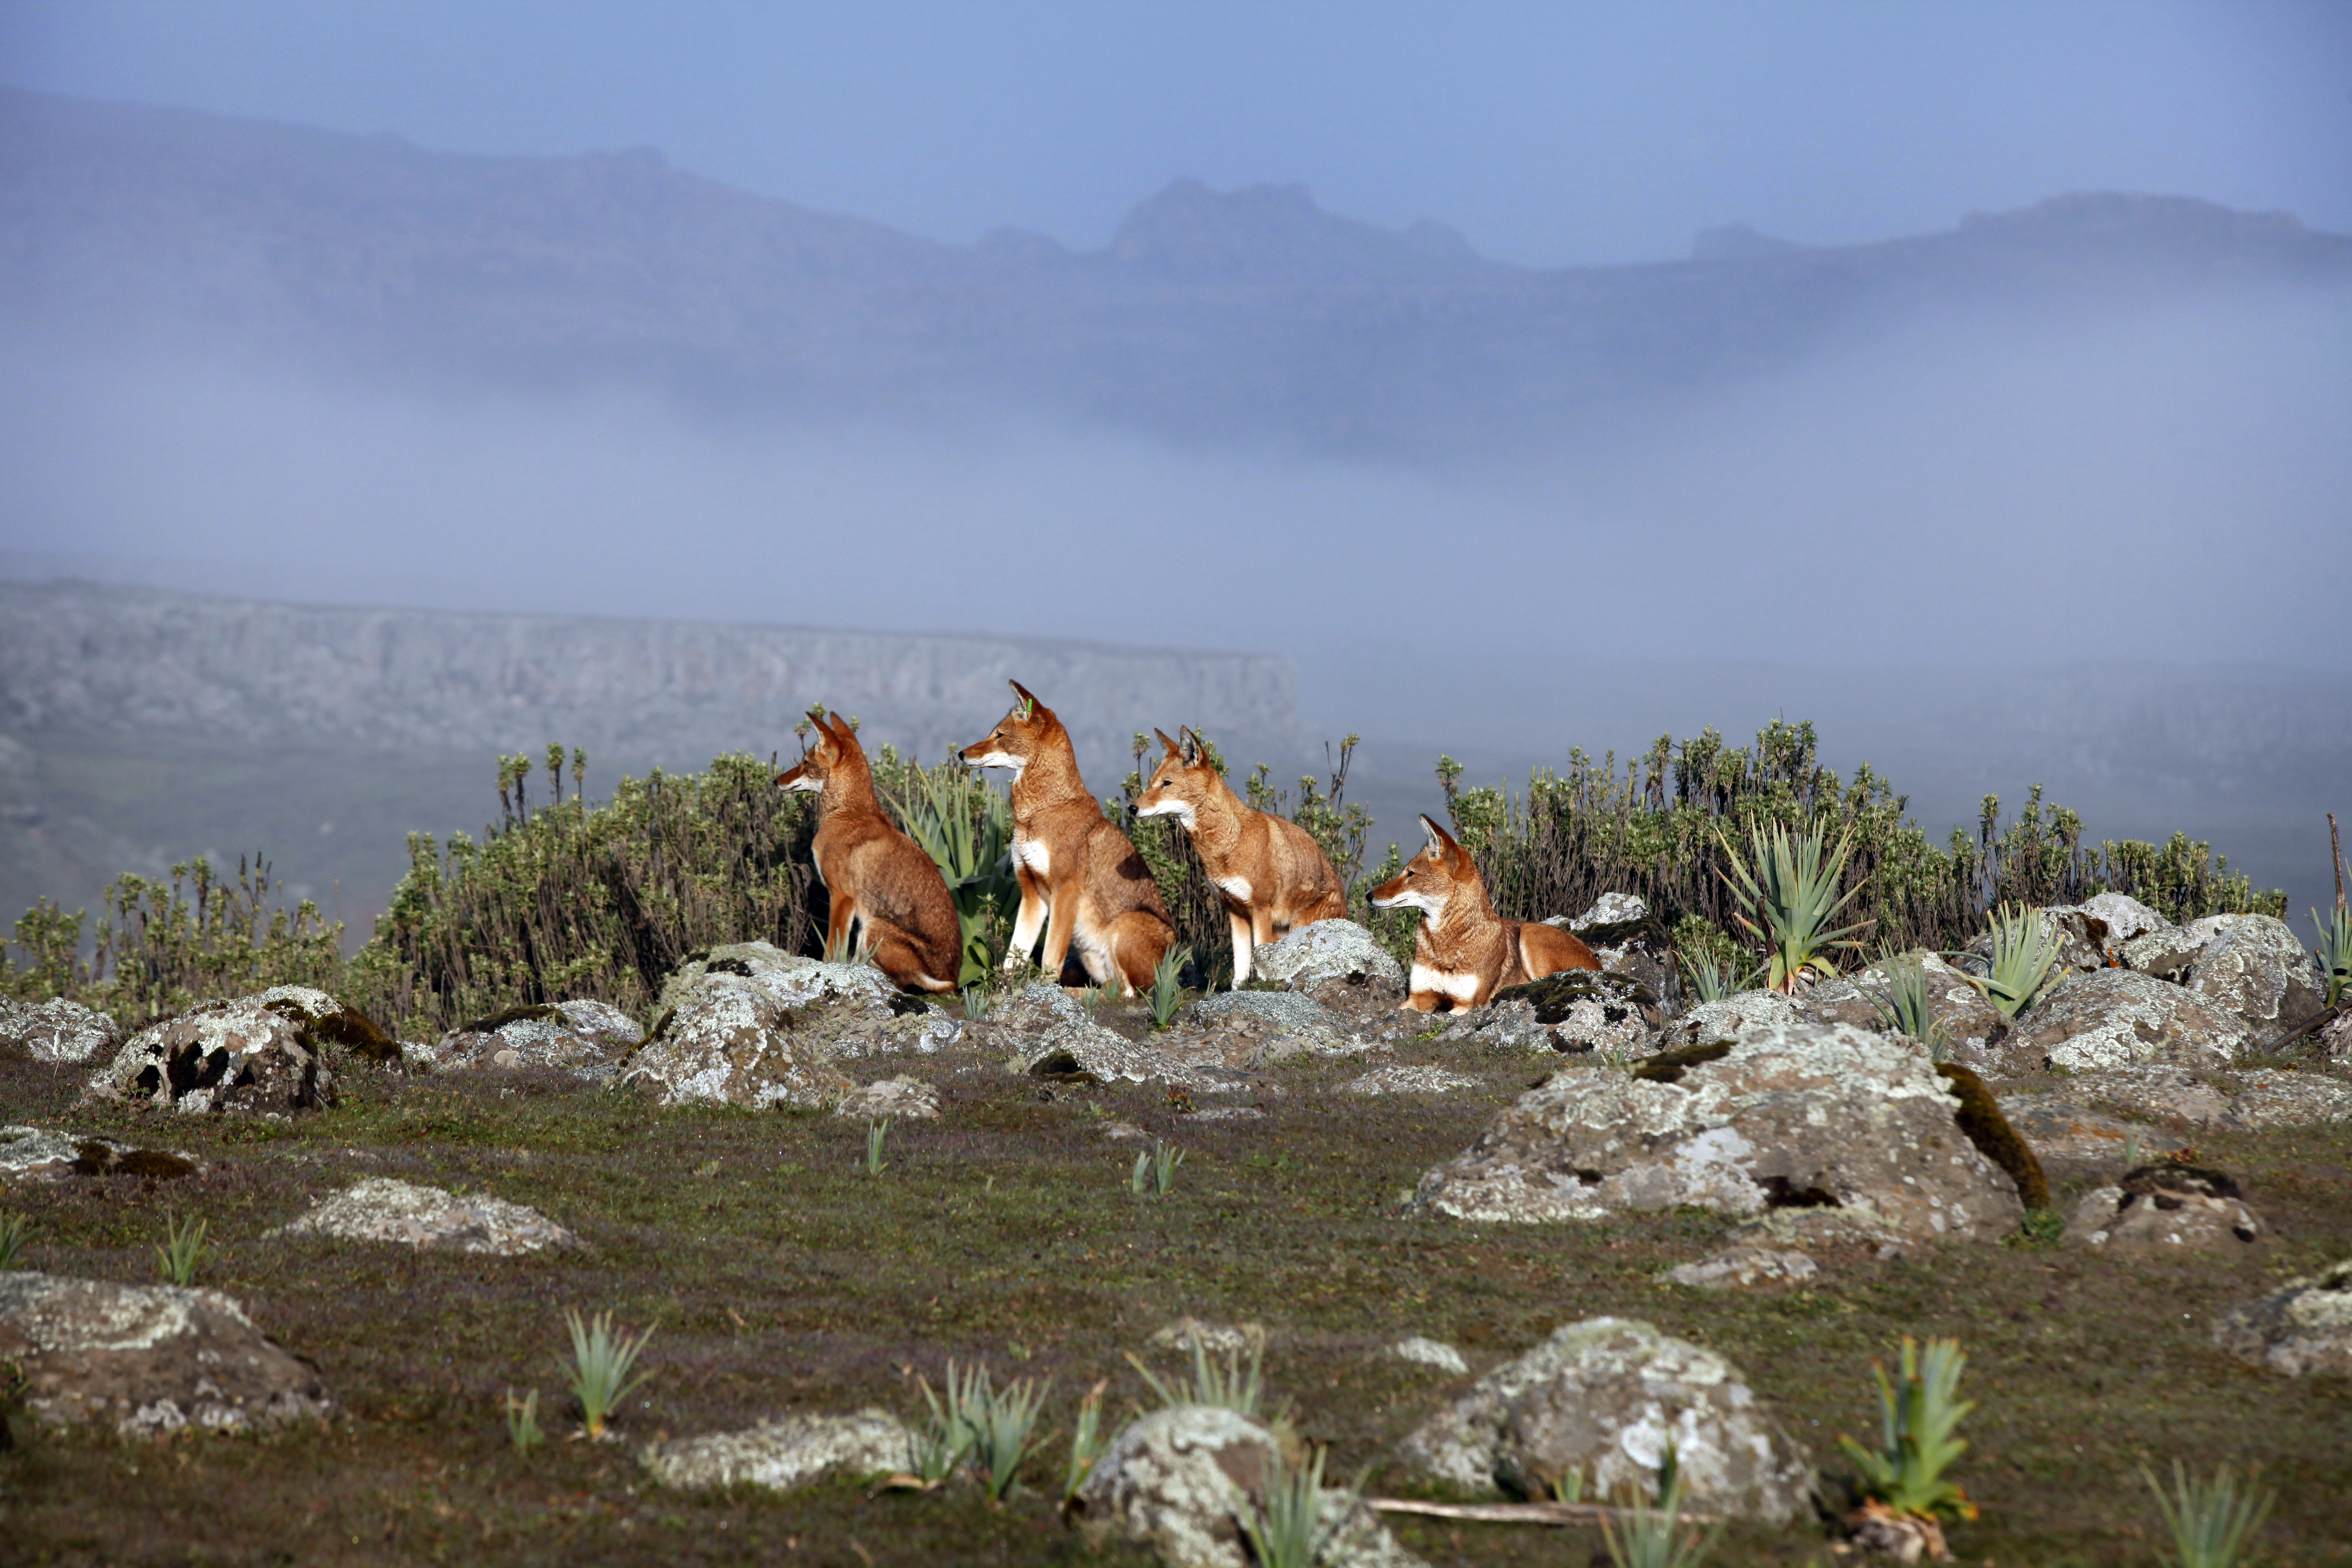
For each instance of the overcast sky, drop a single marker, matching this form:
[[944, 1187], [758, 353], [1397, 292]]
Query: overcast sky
[[1548, 133]]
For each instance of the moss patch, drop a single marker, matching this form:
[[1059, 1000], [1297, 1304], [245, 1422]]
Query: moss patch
[[1979, 1117]]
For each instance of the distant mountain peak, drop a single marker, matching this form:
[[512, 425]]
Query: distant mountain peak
[[1738, 242], [1276, 234]]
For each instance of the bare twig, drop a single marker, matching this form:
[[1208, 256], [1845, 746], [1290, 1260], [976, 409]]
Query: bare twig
[[1552, 1513]]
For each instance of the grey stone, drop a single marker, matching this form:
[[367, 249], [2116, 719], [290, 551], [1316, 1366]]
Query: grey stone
[[386, 1209], [2154, 1091], [2116, 1017], [2304, 1328], [2071, 1141], [731, 1041], [1325, 952], [2157, 1209], [1421, 1351], [1577, 1010], [1408, 1081], [2335, 1039], [852, 1008], [2166, 953], [149, 1360], [892, 1100], [1965, 1018], [1177, 1482], [231, 1056], [1601, 1399], [2269, 1097], [587, 1039], [1796, 1115], [1609, 908], [1282, 1024], [1742, 1266], [56, 1030], [1084, 1045], [31, 1154], [1724, 1020], [2120, 918], [1215, 1339], [2257, 971], [785, 1453]]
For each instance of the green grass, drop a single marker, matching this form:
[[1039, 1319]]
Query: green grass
[[791, 1281]]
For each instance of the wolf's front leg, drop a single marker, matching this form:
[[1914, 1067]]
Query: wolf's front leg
[[1239, 924], [1030, 923]]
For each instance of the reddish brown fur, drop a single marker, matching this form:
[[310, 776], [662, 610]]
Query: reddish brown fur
[[874, 873], [1466, 946], [1082, 883], [1269, 870]]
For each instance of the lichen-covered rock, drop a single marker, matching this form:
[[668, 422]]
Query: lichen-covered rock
[[56, 1031], [1277, 1023], [2335, 1039], [1957, 1008], [892, 1100], [233, 1057], [1745, 1265], [2116, 1017], [1408, 1081], [2163, 1092], [2271, 1097], [2257, 971], [784, 1453], [1177, 1482], [2119, 918], [386, 1209], [148, 1360], [731, 1041], [2080, 950], [1724, 1020], [2162, 1207], [853, 1008], [1326, 953], [2072, 1141], [1423, 1351], [1579, 1010], [31, 1154], [1601, 1399], [1609, 908], [1795, 1115], [2303, 1329], [1184, 1059], [587, 1039], [2166, 952], [338, 1031], [1629, 940]]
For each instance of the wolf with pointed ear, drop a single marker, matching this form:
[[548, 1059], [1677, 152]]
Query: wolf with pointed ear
[[1464, 951], [876, 878], [1269, 871], [1083, 887]]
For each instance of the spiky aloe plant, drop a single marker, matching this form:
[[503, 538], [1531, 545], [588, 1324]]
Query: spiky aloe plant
[[1167, 993], [14, 1228], [1229, 1389], [1652, 1536], [1902, 1004], [966, 828], [1086, 1442], [2025, 949], [1154, 1174], [1918, 1413], [2211, 1522], [875, 1131], [1287, 1530], [601, 1372], [175, 1259], [1792, 884], [1002, 1421], [2335, 952], [522, 1421]]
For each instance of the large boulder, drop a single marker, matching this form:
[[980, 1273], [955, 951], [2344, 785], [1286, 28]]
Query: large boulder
[[1329, 953], [1579, 1010], [1793, 1115], [784, 1453], [149, 1360], [56, 1031], [340, 1032], [2257, 971], [852, 1008], [1178, 1482], [1631, 942], [728, 1040], [2115, 1017], [1602, 1400], [1272, 1025], [2163, 1208], [1957, 1007], [2304, 1328], [387, 1209], [1709, 1021], [2272, 1096], [2118, 918], [586, 1040], [233, 1057]]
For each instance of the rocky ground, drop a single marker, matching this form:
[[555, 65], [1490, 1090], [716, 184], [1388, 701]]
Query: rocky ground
[[1481, 1252]]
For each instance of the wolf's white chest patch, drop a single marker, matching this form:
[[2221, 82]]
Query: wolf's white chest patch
[[1235, 887], [1460, 987], [1031, 853]]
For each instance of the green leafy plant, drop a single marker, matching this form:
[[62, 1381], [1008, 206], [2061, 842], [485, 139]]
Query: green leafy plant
[[1709, 979], [1086, 1442], [14, 1228], [945, 1439], [1903, 1008], [875, 1131], [1286, 1529], [1091, 998], [1154, 1174], [1228, 1388], [1919, 1412], [1791, 885], [966, 827], [2025, 949], [2211, 1522], [1002, 1421], [2335, 952], [1652, 1535], [1167, 993], [975, 1002], [600, 1373], [522, 1421], [177, 1257]]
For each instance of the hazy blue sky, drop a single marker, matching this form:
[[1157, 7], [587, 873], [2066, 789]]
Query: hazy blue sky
[[1548, 133]]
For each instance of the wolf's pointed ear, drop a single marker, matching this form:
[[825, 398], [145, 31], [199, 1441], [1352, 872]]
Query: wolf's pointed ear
[[1191, 748], [1440, 843], [841, 730], [1028, 698], [1173, 749]]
